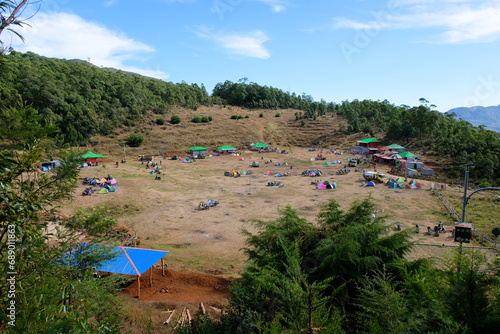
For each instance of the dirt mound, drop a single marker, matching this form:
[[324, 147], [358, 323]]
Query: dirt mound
[[180, 287]]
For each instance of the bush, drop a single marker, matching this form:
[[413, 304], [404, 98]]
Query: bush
[[236, 117], [246, 116], [205, 119], [129, 122], [278, 114], [496, 231], [303, 123], [484, 184], [197, 119], [160, 121], [134, 140], [175, 119], [210, 118], [261, 115]]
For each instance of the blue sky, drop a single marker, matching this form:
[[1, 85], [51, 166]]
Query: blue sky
[[447, 51]]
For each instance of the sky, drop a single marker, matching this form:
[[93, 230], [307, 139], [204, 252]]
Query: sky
[[446, 51]]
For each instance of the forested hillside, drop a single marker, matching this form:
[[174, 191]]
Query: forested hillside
[[79, 100]]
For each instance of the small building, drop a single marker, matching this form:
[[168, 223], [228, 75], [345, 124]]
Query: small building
[[395, 148], [368, 142], [225, 149], [259, 146], [197, 150]]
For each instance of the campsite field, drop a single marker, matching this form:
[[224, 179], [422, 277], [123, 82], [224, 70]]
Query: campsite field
[[205, 246], [164, 212]]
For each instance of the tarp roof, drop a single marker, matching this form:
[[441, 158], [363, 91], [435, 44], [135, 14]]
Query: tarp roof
[[369, 140], [197, 148], [226, 147], [394, 146], [406, 154], [260, 145], [132, 261], [91, 155]]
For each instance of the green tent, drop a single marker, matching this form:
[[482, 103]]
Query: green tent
[[226, 148], [197, 150], [103, 191], [395, 147], [90, 155], [260, 145], [369, 140], [406, 154]]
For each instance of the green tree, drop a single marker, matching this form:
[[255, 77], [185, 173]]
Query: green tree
[[160, 121], [175, 119], [134, 140]]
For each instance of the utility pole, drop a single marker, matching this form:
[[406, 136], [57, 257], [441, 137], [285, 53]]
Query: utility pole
[[124, 153]]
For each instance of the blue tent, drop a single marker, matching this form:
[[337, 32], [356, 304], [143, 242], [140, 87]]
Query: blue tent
[[278, 164], [278, 175], [370, 184]]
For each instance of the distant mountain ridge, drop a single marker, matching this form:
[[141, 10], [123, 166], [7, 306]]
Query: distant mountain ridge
[[488, 116]]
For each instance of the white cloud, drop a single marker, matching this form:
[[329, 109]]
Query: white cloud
[[276, 5], [249, 44], [460, 21], [63, 35]]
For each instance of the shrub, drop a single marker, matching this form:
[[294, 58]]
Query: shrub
[[175, 119], [210, 118], [205, 119], [134, 140], [247, 116], [160, 121], [197, 119], [236, 117], [278, 114], [496, 231], [303, 123], [261, 115]]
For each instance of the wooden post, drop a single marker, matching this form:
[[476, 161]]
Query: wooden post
[[138, 286], [150, 277], [162, 268]]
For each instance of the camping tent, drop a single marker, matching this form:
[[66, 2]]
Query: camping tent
[[269, 173], [398, 180], [326, 163], [278, 175], [331, 185], [103, 191], [226, 149], [370, 184], [321, 186], [197, 150]]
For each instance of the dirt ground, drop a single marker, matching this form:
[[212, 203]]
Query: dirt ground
[[178, 286], [164, 212]]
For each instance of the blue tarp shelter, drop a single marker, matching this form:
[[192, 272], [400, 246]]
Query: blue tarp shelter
[[133, 261], [129, 261]]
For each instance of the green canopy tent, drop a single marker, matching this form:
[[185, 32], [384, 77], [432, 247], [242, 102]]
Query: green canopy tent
[[197, 150], [258, 146], [395, 147], [92, 157], [407, 154], [226, 149]]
